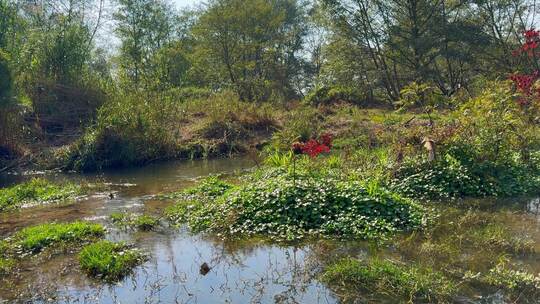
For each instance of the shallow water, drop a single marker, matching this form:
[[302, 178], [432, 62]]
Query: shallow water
[[241, 271]]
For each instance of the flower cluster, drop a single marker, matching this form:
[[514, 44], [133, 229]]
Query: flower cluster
[[525, 82], [532, 41], [314, 147]]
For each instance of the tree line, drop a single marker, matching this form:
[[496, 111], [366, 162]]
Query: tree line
[[264, 50]]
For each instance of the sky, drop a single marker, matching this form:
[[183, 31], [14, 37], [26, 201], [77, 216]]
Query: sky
[[183, 3]]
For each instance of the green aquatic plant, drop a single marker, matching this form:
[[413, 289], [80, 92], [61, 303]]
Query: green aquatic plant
[[109, 261], [495, 235], [351, 278], [210, 187], [515, 282], [35, 238], [284, 208], [37, 190], [142, 222]]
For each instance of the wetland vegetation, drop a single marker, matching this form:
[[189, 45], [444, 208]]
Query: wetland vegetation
[[236, 151]]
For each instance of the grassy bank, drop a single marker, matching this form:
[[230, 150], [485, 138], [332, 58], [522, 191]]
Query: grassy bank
[[132, 131], [37, 191]]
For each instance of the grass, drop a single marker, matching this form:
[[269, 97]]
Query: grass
[[351, 277], [34, 239], [497, 236], [37, 190], [142, 222], [5, 266], [513, 280], [109, 261], [133, 131]]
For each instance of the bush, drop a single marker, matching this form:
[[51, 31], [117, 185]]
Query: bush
[[36, 238], [462, 173], [129, 131], [109, 261], [328, 95], [409, 283], [284, 207], [136, 130], [36, 190]]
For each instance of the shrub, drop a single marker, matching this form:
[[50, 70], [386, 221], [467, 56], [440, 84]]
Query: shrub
[[135, 130], [462, 173], [36, 190], [5, 266], [36, 238], [287, 208], [328, 95], [410, 283], [6, 81], [109, 261], [129, 131]]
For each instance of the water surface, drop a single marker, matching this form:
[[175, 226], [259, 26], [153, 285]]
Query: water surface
[[241, 271]]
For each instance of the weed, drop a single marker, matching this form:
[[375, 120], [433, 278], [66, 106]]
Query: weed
[[514, 281], [142, 222], [383, 277], [36, 190], [36, 238], [109, 261]]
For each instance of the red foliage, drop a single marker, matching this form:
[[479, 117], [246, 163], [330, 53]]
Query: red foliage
[[314, 147], [525, 82]]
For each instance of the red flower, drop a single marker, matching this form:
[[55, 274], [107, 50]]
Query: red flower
[[314, 147]]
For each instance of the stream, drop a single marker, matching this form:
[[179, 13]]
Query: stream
[[241, 271]]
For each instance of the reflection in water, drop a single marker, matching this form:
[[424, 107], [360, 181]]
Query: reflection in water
[[249, 274], [237, 272]]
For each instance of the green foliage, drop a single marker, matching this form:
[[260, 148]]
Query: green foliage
[[6, 81], [491, 151], [5, 266], [286, 208], [420, 95], [129, 131], [34, 239], [142, 222], [459, 173], [329, 95], [515, 281], [34, 191], [250, 46], [495, 127], [383, 277], [109, 261]]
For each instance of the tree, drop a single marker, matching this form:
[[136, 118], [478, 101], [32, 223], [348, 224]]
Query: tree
[[144, 27], [251, 46]]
